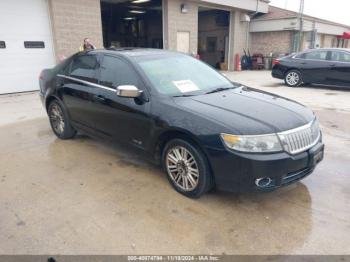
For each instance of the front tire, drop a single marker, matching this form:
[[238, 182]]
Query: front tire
[[187, 168], [293, 78], [59, 121]]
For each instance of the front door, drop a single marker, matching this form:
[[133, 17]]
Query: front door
[[340, 68], [315, 66], [122, 119]]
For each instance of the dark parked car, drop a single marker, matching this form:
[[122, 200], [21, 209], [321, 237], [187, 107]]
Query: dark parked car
[[317, 66], [205, 130]]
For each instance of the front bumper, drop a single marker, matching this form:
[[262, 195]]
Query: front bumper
[[238, 172]]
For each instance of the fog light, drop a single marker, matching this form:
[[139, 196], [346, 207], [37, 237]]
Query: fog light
[[263, 182]]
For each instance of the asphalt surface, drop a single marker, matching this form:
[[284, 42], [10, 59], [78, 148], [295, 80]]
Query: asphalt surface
[[85, 196]]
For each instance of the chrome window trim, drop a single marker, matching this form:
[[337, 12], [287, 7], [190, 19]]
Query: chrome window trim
[[88, 83], [317, 60], [305, 59]]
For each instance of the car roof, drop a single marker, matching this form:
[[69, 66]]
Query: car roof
[[133, 51], [327, 49]]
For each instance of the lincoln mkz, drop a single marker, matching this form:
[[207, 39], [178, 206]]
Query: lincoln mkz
[[205, 130]]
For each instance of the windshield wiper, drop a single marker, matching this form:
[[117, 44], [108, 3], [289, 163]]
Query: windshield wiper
[[220, 89]]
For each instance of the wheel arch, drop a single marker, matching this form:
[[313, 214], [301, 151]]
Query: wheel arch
[[296, 69], [168, 135], [292, 68], [49, 99]]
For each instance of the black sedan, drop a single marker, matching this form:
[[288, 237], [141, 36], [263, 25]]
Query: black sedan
[[317, 66], [205, 130]]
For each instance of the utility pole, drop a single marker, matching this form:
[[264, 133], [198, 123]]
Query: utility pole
[[301, 24]]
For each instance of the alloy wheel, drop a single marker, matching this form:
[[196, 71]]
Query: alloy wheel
[[57, 119], [182, 168], [293, 78]]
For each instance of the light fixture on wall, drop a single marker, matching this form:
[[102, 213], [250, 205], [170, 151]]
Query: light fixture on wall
[[184, 8], [140, 1], [137, 11], [245, 18]]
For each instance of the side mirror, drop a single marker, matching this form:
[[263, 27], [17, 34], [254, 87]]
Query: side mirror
[[128, 91]]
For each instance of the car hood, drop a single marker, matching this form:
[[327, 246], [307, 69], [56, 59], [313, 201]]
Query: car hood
[[248, 111]]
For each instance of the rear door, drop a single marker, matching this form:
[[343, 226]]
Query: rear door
[[77, 89], [340, 63]]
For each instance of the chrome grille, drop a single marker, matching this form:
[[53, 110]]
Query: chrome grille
[[300, 139]]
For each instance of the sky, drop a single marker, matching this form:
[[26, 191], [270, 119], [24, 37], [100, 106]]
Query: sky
[[334, 10]]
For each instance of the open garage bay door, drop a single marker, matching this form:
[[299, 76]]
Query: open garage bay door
[[132, 23], [213, 36], [25, 44]]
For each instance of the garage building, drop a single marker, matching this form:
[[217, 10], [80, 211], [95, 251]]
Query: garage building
[[26, 44], [278, 32], [35, 34]]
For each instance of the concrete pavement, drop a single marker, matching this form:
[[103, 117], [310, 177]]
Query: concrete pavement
[[85, 196]]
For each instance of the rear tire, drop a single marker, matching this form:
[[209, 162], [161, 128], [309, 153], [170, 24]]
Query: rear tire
[[59, 120], [293, 78], [187, 168]]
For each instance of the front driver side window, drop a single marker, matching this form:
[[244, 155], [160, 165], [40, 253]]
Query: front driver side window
[[84, 68], [116, 72]]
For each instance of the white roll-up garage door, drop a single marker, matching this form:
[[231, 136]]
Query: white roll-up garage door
[[26, 45]]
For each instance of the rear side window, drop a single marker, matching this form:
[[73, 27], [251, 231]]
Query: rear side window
[[116, 72], [340, 56], [84, 67], [317, 55]]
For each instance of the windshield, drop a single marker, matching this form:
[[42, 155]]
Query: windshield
[[182, 75]]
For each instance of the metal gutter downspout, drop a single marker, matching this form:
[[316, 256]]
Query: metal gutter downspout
[[248, 24]]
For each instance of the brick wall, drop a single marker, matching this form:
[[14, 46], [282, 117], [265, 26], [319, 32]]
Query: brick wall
[[271, 42], [177, 21], [72, 21]]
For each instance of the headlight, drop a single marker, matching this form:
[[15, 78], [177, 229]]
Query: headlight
[[315, 130], [254, 144]]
